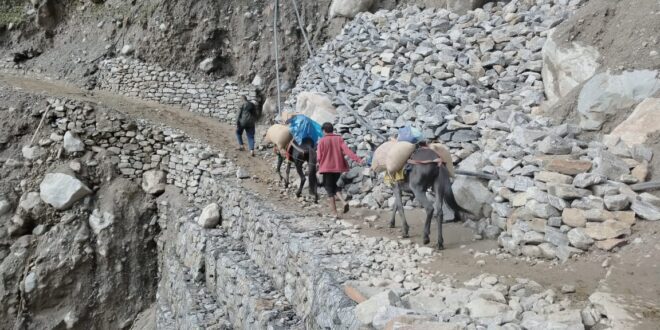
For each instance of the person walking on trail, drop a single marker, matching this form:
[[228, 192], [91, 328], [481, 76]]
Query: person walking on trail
[[245, 121], [330, 155]]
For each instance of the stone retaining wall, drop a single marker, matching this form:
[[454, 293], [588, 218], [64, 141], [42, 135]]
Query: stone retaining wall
[[218, 99], [221, 269]]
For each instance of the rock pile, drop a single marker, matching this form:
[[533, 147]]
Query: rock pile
[[475, 83]]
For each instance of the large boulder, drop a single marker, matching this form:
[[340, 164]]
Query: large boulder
[[61, 190], [472, 195], [607, 93], [317, 106], [566, 66], [644, 121], [153, 182], [349, 8], [210, 216]]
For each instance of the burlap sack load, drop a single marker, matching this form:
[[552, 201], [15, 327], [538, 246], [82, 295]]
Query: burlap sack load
[[280, 136], [398, 156], [379, 159], [443, 152]]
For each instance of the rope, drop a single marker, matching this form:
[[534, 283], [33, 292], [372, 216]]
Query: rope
[[277, 56], [325, 81]]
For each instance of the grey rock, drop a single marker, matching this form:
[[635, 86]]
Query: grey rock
[[554, 145], [61, 191], [645, 210], [586, 180], [567, 191], [579, 238], [556, 237], [616, 202], [541, 210], [609, 165], [565, 252], [472, 195]]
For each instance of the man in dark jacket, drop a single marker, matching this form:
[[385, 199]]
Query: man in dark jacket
[[245, 121]]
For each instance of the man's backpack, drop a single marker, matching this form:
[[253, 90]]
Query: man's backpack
[[248, 116]]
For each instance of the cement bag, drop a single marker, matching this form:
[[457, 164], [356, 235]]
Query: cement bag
[[379, 158], [279, 135], [444, 153], [398, 156]]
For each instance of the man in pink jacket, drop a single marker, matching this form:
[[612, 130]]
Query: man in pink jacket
[[330, 154]]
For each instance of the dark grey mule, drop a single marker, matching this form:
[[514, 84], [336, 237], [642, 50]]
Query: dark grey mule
[[299, 155], [425, 174]]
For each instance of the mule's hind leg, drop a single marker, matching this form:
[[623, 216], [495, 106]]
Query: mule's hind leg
[[288, 174], [420, 195], [280, 161], [399, 206], [439, 201], [301, 173]]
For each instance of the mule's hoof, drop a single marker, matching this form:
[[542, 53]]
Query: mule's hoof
[[391, 225], [441, 247], [426, 241], [405, 235]]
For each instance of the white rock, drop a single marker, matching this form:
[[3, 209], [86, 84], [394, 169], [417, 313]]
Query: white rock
[[257, 81], [242, 173], [366, 310], [482, 308], [207, 65], [153, 182], [33, 152], [566, 67], [317, 106], [5, 207], [127, 50], [100, 220], [30, 282], [210, 216], [72, 143], [349, 8], [62, 190]]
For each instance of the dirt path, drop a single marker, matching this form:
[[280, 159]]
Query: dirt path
[[633, 273]]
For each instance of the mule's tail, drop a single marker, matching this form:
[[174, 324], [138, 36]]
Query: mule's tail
[[313, 167], [448, 193]]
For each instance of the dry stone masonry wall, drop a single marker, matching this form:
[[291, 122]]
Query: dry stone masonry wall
[[218, 99]]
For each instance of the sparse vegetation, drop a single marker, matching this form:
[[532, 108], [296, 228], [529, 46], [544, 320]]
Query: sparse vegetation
[[11, 11]]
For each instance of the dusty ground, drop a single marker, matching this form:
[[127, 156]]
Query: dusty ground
[[630, 274], [625, 33]]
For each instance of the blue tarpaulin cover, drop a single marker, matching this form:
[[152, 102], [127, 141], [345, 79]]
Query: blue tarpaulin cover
[[409, 134], [303, 127]]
